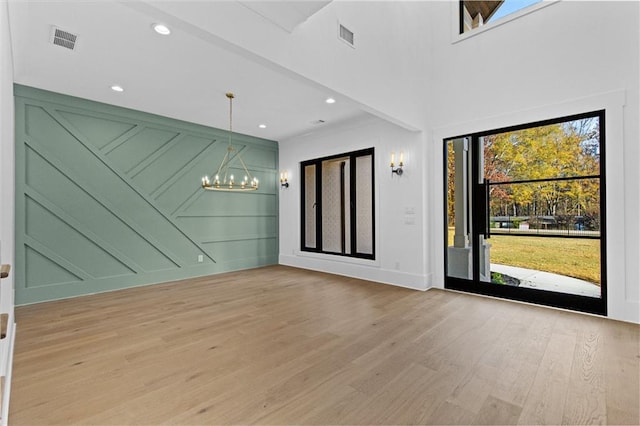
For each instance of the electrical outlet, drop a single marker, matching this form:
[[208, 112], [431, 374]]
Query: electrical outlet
[[200, 258]]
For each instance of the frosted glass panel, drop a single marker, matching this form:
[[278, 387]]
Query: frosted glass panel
[[335, 208], [310, 206], [347, 208], [364, 204]]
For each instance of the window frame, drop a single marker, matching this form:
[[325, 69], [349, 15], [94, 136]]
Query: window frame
[[457, 20], [352, 187]]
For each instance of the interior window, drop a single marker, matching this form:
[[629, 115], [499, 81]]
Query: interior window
[[337, 205]]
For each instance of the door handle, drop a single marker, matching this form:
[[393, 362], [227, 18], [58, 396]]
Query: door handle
[[487, 208]]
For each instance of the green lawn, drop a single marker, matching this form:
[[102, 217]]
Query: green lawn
[[573, 257]]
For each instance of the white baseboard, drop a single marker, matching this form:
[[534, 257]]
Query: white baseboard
[[361, 270]]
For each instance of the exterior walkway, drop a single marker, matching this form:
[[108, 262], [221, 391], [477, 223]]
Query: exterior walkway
[[548, 281]]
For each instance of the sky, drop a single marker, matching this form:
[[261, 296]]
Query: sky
[[510, 6]]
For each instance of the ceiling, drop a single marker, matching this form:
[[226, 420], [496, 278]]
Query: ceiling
[[183, 75]]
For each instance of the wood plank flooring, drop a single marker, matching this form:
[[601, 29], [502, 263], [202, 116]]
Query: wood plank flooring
[[279, 345]]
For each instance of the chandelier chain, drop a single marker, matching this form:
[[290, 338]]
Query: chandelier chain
[[230, 96]]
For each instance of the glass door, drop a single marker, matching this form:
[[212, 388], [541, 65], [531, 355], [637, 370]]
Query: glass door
[[525, 213]]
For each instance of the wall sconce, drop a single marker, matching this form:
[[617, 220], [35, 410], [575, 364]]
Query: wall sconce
[[394, 169], [284, 182]]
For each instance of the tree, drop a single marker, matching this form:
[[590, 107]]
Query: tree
[[563, 150], [451, 172]]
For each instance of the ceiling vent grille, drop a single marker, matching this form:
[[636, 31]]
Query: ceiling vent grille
[[346, 35], [63, 38]]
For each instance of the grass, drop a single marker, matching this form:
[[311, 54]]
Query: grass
[[572, 257]]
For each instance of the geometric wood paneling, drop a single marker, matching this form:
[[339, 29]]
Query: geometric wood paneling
[[109, 198]]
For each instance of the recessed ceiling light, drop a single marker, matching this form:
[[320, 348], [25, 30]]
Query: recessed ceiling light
[[161, 29], [330, 101], [262, 126], [117, 88]]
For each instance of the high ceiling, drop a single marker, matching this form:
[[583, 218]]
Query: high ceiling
[[184, 75]]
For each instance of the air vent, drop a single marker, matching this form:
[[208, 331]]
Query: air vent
[[63, 38], [346, 35]]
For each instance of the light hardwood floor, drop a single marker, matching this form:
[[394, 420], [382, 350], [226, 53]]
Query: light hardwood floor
[[279, 345]]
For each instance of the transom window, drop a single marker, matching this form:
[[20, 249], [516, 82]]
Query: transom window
[[337, 212], [476, 13]]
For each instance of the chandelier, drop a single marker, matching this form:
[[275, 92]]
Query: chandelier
[[224, 180]]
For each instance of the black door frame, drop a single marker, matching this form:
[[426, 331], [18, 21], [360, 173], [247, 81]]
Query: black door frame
[[478, 223]]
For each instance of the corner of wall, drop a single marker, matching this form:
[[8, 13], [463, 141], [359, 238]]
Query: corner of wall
[[7, 137]]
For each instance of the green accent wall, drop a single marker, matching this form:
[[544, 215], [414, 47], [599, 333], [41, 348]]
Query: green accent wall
[[110, 198]]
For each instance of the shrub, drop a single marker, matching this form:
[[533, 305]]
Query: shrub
[[497, 278]]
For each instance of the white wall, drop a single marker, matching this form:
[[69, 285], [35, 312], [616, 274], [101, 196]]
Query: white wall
[[566, 58], [6, 145], [386, 73], [398, 202]]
